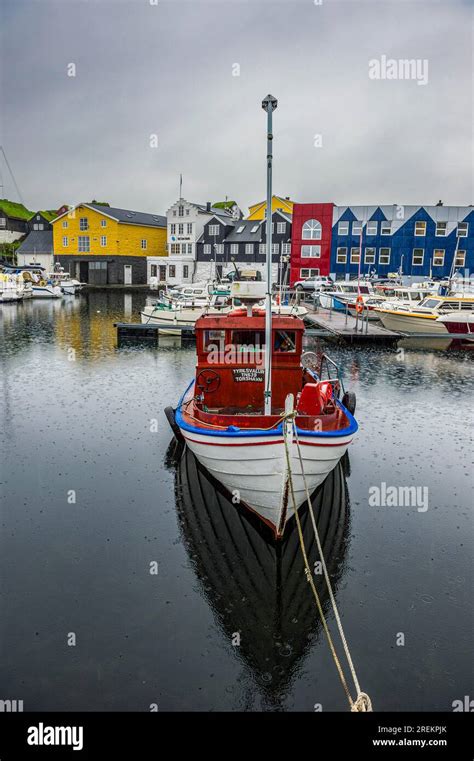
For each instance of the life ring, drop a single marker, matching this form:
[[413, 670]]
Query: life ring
[[359, 304]]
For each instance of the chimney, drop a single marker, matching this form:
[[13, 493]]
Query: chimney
[[208, 206]]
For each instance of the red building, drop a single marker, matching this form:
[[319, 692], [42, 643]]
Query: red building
[[310, 240]]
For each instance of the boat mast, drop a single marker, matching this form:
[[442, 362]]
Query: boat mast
[[269, 105]]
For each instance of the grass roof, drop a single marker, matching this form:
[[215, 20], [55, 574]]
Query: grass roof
[[13, 209]]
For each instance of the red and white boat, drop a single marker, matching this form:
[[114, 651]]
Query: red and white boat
[[259, 415]]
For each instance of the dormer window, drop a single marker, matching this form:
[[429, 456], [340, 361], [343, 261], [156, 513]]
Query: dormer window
[[241, 229]]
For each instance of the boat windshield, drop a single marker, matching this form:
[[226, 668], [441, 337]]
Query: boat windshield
[[430, 303]]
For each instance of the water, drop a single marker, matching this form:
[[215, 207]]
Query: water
[[78, 415]]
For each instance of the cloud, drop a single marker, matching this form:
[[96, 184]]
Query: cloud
[[168, 70]]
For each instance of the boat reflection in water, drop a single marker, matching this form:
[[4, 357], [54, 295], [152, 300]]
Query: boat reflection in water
[[256, 586]]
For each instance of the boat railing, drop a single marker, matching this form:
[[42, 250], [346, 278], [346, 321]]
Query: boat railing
[[328, 366]]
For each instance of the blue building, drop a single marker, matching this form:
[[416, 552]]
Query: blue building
[[417, 240]]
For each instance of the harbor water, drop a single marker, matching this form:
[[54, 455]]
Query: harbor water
[[129, 581]]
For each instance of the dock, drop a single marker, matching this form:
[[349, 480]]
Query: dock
[[129, 333], [344, 327]]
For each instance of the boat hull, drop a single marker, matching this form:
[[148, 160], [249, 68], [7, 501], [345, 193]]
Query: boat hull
[[255, 466], [407, 322]]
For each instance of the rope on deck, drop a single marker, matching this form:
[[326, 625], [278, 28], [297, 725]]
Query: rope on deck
[[362, 702]]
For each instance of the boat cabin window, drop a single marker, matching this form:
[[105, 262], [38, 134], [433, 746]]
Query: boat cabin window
[[248, 340], [213, 339], [430, 303], [285, 341]]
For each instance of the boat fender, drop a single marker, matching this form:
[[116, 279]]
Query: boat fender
[[349, 401], [170, 416]]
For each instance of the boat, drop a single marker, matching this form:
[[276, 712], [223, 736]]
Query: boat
[[10, 288], [460, 323], [38, 284], [68, 285], [255, 587], [342, 292], [385, 297], [423, 317]]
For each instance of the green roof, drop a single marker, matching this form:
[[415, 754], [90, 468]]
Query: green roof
[[13, 209], [48, 214], [224, 204]]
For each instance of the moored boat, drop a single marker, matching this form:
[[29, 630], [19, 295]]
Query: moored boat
[[423, 318]]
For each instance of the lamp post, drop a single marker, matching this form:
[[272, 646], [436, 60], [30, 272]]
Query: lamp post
[[269, 105]]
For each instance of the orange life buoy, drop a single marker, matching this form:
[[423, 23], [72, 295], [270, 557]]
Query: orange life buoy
[[359, 304]]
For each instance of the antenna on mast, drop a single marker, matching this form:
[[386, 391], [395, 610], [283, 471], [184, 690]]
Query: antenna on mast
[[269, 105]]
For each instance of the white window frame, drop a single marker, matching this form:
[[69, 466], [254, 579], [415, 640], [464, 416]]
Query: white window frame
[[343, 228], [189, 228], [311, 252], [460, 259], [103, 223], [144, 244], [418, 234], [181, 228], [249, 249], [275, 249], [65, 223], [357, 227], [173, 228], [373, 224], [285, 249], [83, 244], [65, 241], [311, 272], [180, 211], [281, 228], [385, 227], [234, 249], [439, 253], [213, 230], [262, 248], [83, 224], [341, 258], [384, 256], [417, 264], [445, 230], [190, 248], [355, 256], [370, 261], [465, 226], [219, 248], [312, 230], [207, 249], [103, 240]]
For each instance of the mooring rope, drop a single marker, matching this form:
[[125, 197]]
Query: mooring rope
[[362, 702]]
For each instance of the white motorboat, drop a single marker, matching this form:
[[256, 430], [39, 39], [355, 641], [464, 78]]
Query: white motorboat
[[66, 283], [10, 288], [343, 291], [423, 318]]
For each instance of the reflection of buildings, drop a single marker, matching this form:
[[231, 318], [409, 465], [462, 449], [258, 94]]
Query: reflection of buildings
[[254, 586]]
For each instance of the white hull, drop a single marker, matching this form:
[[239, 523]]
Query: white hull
[[46, 292], [405, 322], [254, 469], [180, 317], [8, 296]]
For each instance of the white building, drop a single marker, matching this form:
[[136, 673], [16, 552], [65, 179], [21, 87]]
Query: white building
[[185, 224]]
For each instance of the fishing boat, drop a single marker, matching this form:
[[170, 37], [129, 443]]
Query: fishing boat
[[265, 420], [423, 317]]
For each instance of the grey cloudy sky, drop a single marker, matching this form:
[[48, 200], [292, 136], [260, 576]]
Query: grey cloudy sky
[[167, 69]]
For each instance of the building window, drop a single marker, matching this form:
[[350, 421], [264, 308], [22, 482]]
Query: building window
[[175, 248], [187, 212], [171, 271], [441, 229], [3, 222], [103, 240], [65, 223], [262, 248], [65, 241], [462, 229], [306, 273], [190, 228], [83, 244], [173, 229], [384, 256], [356, 227], [314, 251], [369, 257], [207, 248], [181, 229], [213, 229], [460, 259], [343, 228], [234, 248], [190, 248], [180, 214], [372, 228], [249, 248], [385, 228], [83, 223], [154, 270], [103, 223], [355, 255], [341, 255], [254, 229], [438, 257], [281, 228], [219, 248], [144, 243], [275, 248], [185, 271], [174, 212], [418, 256], [420, 228], [312, 230], [241, 229], [286, 248]]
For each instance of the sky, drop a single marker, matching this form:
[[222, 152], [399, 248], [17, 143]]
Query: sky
[[114, 99]]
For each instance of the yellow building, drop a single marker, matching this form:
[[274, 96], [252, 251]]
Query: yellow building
[[258, 210], [103, 245]]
